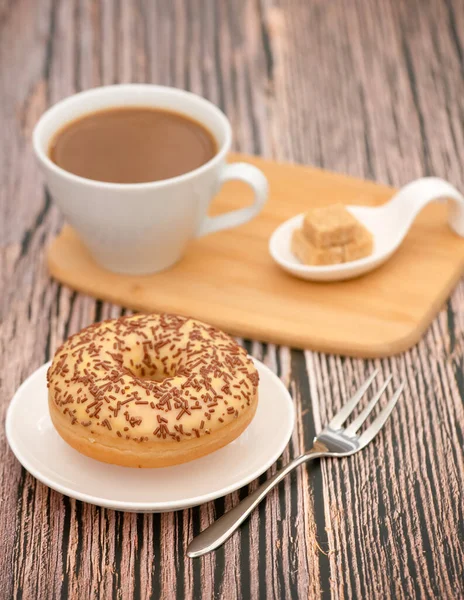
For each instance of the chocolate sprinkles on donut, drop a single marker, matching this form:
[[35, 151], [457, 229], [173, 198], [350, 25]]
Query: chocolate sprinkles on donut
[[158, 390]]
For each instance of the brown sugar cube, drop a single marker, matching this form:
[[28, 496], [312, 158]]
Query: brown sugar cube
[[361, 247], [330, 226], [310, 255]]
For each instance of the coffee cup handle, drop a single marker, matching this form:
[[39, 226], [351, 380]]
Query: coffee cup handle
[[258, 183]]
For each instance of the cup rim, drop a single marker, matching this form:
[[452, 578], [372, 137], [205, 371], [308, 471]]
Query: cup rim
[[50, 113]]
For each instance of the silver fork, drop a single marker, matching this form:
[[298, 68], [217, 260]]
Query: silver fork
[[332, 441]]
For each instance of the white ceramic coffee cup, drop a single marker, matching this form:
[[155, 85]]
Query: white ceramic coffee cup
[[145, 227]]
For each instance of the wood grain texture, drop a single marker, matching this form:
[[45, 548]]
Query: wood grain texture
[[370, 317], [368, 87]]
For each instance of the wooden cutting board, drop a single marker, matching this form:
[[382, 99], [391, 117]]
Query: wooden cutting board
[[229, 279]]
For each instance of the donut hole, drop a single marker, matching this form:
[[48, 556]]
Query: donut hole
[[148, 363], [153, 372]]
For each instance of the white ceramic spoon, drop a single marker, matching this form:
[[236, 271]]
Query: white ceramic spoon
[[389, 224]]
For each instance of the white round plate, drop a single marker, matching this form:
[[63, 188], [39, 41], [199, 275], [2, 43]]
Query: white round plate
[[41, 451]]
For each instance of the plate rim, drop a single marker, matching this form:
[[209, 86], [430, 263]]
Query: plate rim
[[151, 507]]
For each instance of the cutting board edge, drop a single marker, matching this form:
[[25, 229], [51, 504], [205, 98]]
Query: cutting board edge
[[376, 185]]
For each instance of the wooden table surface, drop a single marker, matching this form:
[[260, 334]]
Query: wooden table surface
[[373, 88]]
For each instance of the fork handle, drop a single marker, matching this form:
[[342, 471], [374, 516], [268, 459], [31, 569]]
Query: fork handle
[[218, 532]]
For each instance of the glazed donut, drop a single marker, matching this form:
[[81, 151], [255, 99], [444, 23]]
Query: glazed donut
[[151, 390]]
